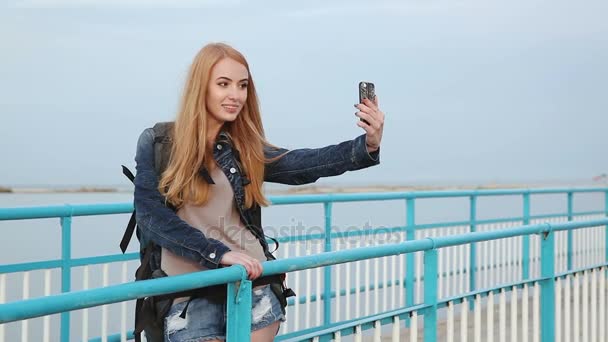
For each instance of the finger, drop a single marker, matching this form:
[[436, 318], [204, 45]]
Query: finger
[[252, 269], [370, 104], [364, 107], [372, 121], [257, 269], [373, 112], [249, 269], [376, 101], [261, 268], [367, 128], [377, 115]]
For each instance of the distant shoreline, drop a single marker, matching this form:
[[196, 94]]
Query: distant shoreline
[[315, 188], [41, 190]]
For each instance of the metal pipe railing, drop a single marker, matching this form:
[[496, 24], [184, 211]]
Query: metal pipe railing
[[66, 212], [241, 300], [123, 208]]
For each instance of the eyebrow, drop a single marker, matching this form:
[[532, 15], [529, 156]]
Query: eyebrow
[[226, 78]]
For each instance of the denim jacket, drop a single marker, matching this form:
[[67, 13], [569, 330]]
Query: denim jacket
[[160, 224]]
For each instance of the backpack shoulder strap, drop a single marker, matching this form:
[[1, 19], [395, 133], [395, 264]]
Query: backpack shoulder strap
[[163, 141], [124, 243]]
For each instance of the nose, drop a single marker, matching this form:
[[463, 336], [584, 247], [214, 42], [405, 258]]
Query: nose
[[233, 94]]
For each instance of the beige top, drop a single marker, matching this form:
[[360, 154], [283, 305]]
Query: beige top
[[218, 219]]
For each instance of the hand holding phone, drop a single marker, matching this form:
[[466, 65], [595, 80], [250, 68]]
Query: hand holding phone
[[370, 115]]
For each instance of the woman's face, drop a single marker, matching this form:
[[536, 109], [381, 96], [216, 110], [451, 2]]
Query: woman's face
[[227, 90]]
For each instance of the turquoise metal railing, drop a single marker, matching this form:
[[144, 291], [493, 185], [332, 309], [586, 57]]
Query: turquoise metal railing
[[66, 212], [239, 298]]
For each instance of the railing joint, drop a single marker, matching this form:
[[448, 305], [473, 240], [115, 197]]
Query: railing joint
[[549, 230], [433, 242]]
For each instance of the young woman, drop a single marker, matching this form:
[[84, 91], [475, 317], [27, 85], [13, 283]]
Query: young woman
[[202, 210]]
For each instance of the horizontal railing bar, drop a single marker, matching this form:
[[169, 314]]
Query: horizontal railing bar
[[455, 240], [486, 291], [372, 286], [384, 230], [75, 300], [30, 266], [22, 267], [114, 337], [20, 213], [67, 210], [383, 196], [582, 213], [390, 283], [579, 270], [508, 286], [344, 325], [104, 259], [575, 225], [78, 300], [41, 265]]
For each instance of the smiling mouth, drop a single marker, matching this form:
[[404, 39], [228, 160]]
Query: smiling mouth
[[230, 106]]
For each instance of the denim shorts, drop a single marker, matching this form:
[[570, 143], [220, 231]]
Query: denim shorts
[[206, 320]]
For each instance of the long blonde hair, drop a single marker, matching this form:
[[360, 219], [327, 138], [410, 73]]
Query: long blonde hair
[[180, 182]]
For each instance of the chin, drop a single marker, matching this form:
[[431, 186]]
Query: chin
[[225, 117], [230, 118]]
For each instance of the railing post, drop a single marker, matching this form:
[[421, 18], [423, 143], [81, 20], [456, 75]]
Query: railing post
[[547, 286], [327, 270], [430, 295], [409, 257], [66, 272], [238, 324], [570, 232], [473, 248], [606, 230], [525, 247]]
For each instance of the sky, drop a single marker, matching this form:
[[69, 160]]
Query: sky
[[473, 91]]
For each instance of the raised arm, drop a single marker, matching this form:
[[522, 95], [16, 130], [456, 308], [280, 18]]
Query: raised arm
[[160, 224], [303, 166]]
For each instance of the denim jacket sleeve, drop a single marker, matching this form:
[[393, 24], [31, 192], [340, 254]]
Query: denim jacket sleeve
[[302, 166], [160, 224]]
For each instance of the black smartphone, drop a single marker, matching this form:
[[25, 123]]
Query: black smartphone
[[366, 91]]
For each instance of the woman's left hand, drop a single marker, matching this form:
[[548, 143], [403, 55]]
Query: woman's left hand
[[370, 112]]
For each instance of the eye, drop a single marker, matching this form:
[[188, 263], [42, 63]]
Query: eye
[[223, 84], [244, 85]]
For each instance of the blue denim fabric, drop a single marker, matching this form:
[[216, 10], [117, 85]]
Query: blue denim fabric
[[160, 224], [206, 320]]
